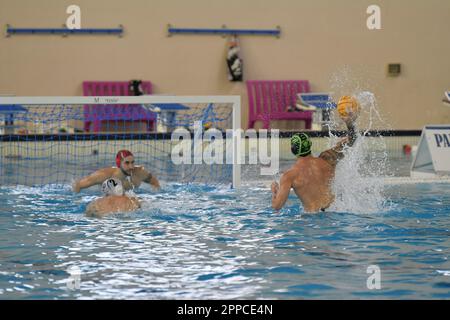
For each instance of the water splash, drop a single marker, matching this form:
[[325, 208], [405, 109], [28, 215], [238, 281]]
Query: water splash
[[357, 184]]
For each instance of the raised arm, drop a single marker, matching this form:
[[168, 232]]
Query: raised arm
[[96, 178], [335, 154], [352, 134], [281, 193]]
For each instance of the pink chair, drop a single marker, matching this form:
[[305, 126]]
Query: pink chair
[[269, 99], [94, 115]]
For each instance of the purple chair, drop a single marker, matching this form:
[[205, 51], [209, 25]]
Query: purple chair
[[95, 115], [269, 100]]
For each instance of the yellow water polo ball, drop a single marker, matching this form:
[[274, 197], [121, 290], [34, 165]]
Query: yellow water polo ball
[[346, 105]]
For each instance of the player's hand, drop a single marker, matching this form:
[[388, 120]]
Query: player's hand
[[275, 187], [350, 118], [76, 187]]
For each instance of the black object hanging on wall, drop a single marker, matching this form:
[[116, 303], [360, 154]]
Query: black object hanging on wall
[[234, 61]]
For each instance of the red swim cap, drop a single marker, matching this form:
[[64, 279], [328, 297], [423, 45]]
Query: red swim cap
[[121, 155]]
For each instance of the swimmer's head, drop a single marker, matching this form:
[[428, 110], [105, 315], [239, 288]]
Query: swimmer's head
[[112, 187], [301, 145], [125, 161]]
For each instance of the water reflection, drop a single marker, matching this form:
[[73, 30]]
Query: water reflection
[[193, 243]]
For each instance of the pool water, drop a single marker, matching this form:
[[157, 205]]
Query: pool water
[[198, 242]]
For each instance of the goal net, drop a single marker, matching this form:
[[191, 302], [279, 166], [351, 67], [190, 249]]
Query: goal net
[[56, 140]]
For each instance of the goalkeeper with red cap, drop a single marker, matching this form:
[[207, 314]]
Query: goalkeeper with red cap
[[130, 175]]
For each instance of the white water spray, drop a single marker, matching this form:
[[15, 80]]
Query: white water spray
[[357, 185]]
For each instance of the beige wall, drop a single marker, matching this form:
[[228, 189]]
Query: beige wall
[[320, 39]]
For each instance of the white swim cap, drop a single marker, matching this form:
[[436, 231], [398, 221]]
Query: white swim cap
[[112, 186]]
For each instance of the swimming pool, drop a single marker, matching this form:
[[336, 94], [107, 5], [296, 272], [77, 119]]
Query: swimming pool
[[199, 242]]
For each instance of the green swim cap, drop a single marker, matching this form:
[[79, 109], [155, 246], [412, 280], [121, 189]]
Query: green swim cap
[[301, 144]]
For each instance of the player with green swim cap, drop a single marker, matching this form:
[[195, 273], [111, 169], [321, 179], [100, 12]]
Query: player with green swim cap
[[311, 177], [301, 144]]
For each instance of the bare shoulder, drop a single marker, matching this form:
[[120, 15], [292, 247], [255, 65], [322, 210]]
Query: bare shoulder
[[115, 199], [91, 208], [296, 174], [107, 171], [330, 156], [125, 203], [141, 172], [289, 175], [139, 169], [110, 203]]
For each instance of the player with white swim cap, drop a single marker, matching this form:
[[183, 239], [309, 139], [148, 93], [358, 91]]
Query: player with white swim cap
[[114, 200], [112, 186]]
